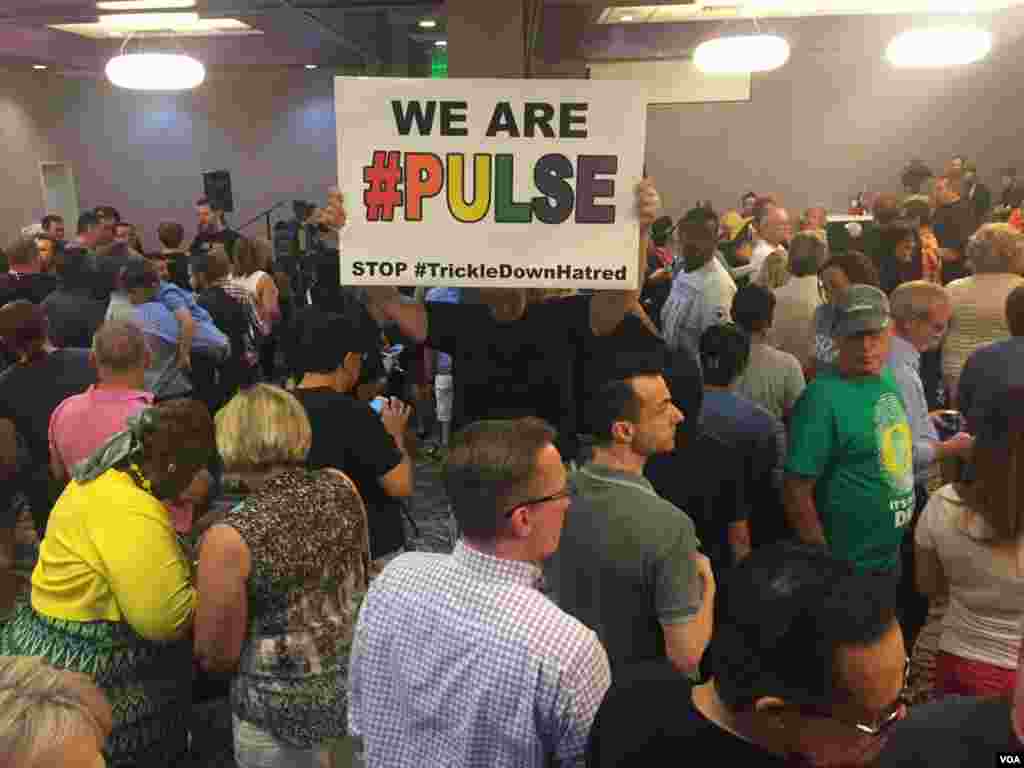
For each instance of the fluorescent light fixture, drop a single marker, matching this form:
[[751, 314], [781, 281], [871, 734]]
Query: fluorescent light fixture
[[741, 54], [144, 5], [202, 28], [626, 18], [142, 22], [427, 24], [311, 66], [155, 72], [939, 47], [441, 43], [39, 66]]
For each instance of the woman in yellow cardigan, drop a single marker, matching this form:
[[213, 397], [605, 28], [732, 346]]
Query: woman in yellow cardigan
[[112, 593]]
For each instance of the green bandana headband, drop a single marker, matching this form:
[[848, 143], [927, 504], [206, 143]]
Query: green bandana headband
[[119, 449]]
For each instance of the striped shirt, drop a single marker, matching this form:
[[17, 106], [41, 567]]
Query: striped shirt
[[979, 317], [459, 660]]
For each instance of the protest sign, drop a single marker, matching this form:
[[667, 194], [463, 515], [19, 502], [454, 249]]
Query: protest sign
[[490, 183]]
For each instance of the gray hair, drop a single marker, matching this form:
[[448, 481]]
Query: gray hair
[[119, 347], [808, 252], [40, 707], [914, 300], [994, 248]]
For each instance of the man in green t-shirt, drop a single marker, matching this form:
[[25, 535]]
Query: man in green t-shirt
[[849, 474]]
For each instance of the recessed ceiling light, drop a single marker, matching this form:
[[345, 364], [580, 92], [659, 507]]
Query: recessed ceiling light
[[428, 23], [155, 72], [202, 28], [143, 5], [738, 54], [939, 47], [626, 18], [148, 21], [441, 43], [39, 66]]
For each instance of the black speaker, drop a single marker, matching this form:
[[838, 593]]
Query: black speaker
[[217, 188]]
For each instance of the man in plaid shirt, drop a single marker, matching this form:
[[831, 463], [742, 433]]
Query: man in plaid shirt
[[459, 659]]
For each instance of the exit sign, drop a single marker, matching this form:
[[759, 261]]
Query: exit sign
[[439, 63]]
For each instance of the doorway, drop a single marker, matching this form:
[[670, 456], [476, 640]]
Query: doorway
[[60, 192]]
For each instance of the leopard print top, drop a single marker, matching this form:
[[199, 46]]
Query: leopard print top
[[308, 540]]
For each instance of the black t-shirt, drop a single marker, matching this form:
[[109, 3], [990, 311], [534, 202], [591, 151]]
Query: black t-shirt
[[73, 317], [648, 719], [107, 272], [349, 436], [228, 315], [29, 394], [510, 370], [204, 240], [32, 287], [177, 268], [953, 226], [956, 731]]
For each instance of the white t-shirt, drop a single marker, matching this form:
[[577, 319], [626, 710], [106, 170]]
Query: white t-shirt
[[251, 282], [986, 596], [698, 300], [762, 250]]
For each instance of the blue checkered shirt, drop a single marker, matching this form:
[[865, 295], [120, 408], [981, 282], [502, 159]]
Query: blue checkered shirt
[[459, 660]]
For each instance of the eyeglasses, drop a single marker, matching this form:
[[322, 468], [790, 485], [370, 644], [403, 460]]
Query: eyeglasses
[[568, 492], [880, 725]]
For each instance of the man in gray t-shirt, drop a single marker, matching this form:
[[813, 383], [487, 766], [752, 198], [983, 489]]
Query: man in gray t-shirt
[[628, 565]]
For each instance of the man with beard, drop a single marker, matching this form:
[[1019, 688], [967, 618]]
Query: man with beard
[[809, 667], [702, 293], [211, 229]]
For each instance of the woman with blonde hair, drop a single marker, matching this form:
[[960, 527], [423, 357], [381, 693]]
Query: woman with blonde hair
[[968, 546], [49, 716], [280, 579], [979, 301]]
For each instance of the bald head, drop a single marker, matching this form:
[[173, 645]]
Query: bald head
[[773, 226], [119, 350]]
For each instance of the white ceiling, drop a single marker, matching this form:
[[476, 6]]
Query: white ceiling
[[719, 9]]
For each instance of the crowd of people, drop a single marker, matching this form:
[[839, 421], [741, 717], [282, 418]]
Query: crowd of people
[[767, 506]]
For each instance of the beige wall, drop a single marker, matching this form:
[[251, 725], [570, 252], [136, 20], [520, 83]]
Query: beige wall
[[24, 142], [834, 120], [837, 119]]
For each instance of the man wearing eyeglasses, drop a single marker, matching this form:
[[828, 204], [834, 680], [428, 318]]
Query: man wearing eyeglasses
[[628, 566], [809, 670], [921, 313], [957, 731], [460, 659]]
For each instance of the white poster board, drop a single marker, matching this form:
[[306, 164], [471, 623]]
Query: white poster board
[[490, 183]]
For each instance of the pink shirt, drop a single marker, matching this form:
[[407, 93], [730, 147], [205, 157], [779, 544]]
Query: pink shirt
[[83, 423]]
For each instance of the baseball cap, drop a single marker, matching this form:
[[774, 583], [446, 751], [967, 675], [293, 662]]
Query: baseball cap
[[863, 309]]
